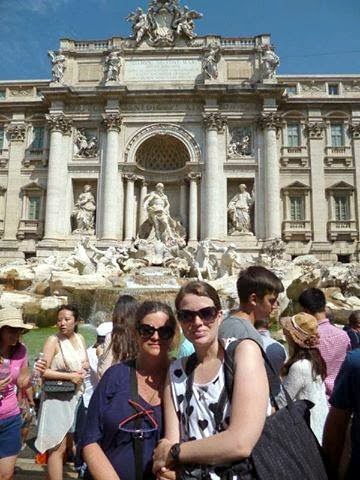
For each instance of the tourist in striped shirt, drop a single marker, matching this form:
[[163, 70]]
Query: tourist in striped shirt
[[334, 342]]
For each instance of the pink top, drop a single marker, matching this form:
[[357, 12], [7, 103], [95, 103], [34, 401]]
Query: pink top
[[334, 344], [9, 404]]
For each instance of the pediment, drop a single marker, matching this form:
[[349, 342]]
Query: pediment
[[341, 186], [33, 186], [297, 185]]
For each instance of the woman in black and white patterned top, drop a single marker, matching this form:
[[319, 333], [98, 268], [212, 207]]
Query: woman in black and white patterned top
[[204, 430]]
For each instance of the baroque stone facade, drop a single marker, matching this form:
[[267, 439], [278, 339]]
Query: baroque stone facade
[[201, 115]]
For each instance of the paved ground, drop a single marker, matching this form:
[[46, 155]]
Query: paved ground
[[27, 469]]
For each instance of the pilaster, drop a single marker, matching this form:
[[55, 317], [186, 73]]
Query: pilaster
[[129, 207], [193, 206], [16, 133]]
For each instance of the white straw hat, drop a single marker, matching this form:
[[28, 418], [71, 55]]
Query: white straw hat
[[12, 317]]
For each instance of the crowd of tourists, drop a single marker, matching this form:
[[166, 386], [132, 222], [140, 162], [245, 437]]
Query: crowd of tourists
[[190, 393]]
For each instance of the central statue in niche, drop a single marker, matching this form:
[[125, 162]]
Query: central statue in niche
[[166, 229]]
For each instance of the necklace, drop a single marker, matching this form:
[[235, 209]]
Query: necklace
[[144, 381]]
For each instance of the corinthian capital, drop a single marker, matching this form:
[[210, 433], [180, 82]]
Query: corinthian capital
[[354, 130], [270, 121], [215, 121], [194, 176], [112, 121], [60, 123], [16, 132]]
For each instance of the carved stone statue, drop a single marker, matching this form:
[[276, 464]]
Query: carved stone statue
[[167, 229], [184, 22], [113, 66], [84, 212], [240, 148], [239, 211], [163, 22], [58, 65], [210, 62], [270, 62], [141, 24], [85, 147]]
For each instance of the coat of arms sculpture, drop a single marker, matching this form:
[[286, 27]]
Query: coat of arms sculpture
[[164, 21]]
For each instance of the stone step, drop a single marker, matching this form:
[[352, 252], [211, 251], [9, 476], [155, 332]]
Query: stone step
[[27, 469]]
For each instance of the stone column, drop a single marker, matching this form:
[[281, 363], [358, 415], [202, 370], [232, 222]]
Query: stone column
[[183, 204], [16, 134], [129, 207], [354, 131], [270, 123], [193, 207], [213, 211], [319, 206], [143, 193], [59, 125], [109, 208]]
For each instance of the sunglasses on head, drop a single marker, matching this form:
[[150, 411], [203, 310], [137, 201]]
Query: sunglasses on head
[[147, 331], [207, 315]]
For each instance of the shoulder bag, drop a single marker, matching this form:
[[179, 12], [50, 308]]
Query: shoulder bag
[[287, 448], [59, 386]]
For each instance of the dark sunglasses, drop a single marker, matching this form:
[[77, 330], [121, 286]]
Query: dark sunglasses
[[207, 315], [147, 331]]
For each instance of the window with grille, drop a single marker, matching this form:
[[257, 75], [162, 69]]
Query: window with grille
[[341, 208], [293, 133], [337, 135], [1, 138], [297, 208], [38, 141], [33, 212]]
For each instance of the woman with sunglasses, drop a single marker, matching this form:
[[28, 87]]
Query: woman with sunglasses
[[125, 422], [214, 430]]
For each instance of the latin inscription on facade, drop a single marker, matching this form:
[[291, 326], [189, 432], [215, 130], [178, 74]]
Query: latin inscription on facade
[[181, 70]]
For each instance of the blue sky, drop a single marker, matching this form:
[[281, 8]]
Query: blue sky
[[310, 36]]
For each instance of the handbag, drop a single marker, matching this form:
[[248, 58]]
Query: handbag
[[59, 386], [287, 448]]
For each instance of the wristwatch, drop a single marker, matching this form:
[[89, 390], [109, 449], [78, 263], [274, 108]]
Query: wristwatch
[[175, 452]]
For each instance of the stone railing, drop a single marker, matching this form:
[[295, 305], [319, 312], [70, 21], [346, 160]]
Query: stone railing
[[297, 230], [336, 151], [237, 42], [345, 229], [92, 46], [300, 150]]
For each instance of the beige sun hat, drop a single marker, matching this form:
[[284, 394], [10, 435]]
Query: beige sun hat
[[303, 329], [12, 317]]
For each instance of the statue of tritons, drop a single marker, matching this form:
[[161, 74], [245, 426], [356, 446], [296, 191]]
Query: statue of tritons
[[270, 62], [57, 66], [84, 212], [164, 21], [166, 229], [239, 211]]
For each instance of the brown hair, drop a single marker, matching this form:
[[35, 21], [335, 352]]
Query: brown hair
[[148, 307], [258, 280], [354, 318], [123, 343], [201, 289], [313, 355]]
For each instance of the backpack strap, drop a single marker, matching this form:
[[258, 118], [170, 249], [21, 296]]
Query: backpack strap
[[230, 370], [137, 441]]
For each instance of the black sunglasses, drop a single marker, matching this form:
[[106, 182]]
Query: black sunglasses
[[147, 331], [207, 315]]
